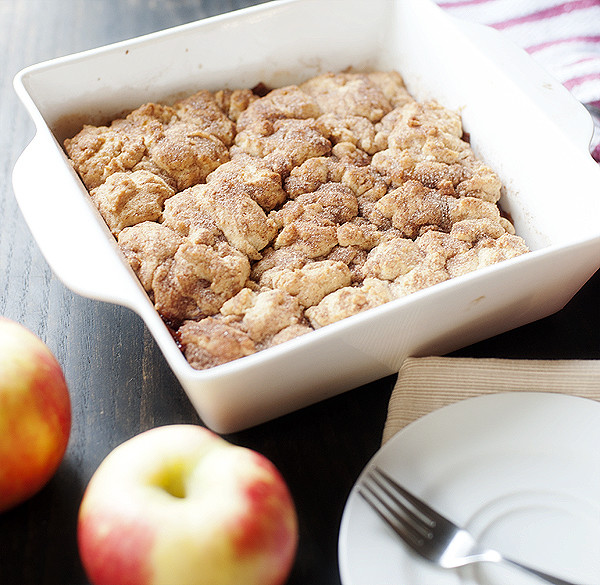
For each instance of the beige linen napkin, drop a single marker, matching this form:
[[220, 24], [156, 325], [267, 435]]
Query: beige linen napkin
[[425, 384]]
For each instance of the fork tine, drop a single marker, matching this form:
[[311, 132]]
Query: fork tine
[[390, 516], [426, 513], [418, 520]]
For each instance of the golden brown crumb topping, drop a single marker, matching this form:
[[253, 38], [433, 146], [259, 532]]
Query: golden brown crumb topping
[[254, 217]]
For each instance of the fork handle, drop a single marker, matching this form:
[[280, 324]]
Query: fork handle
[[540, 574]]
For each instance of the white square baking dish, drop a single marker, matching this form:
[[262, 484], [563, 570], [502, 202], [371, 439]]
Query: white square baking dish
[[521, 122]]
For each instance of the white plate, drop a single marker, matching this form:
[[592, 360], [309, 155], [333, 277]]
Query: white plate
[[520, 470]]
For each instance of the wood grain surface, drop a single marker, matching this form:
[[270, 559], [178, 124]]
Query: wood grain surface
[[119, 382]]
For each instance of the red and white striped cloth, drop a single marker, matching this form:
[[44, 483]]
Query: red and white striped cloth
[[564, 37]]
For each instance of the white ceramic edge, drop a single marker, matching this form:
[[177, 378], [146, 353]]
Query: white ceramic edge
[[543, 89], [197, 383]]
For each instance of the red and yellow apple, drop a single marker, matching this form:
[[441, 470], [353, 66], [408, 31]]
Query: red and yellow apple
[[35, 414], [180, 505]]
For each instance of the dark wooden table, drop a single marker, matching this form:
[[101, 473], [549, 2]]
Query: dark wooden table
[[121, 385]]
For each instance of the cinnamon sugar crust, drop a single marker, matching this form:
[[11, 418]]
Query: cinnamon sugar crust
[[251, 218]]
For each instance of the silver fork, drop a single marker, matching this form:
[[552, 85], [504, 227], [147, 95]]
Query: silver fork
[[429, 533]]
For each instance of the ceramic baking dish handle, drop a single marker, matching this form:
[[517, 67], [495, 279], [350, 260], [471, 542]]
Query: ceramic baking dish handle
[[533, 80], [77, 246]]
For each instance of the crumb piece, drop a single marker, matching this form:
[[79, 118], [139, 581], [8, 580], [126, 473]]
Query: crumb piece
[[355, 130], [129, 198], [284, 144], [394, 257], [311, 237], [202, 110], [364, 182], [198, 280], [309, 223], [311, 283], [185, 280], [485, 252], [333, 201], [263, 314], [436, 249], [311, 174], [146, 246], [288, 333], [475, 208], [286, 103], [234, 102], [186, 154], [473, 230], [481, 182], [348, 153], [349, 94], [353, 257], [392, 86], [98, 152], [149, 120], [359, 233], [253, 178], [184, 215], [241, 220], [212, 342], [349, 301], [283, 258], [414, 209]]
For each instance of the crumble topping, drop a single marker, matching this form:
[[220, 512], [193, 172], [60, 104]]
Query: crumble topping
[[252, 217]]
